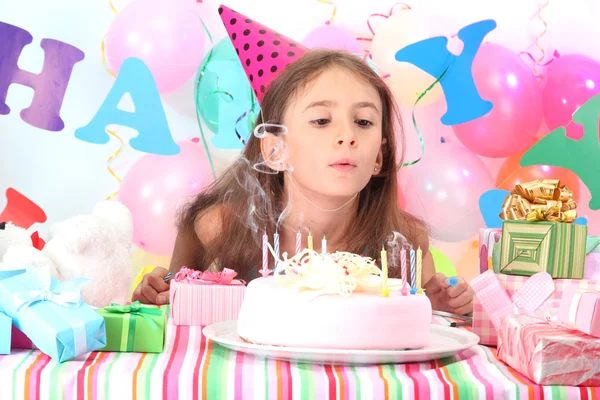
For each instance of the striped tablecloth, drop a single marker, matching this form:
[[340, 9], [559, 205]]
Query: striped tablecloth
[[193, 367]]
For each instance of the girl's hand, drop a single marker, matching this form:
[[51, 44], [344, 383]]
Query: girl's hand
[[153, 289], [457, 299]]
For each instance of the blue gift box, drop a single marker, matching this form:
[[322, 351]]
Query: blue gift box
[[5, 333], [52, 314]]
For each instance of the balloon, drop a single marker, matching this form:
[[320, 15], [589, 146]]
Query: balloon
[[223, 95], [511, 174], [153, 189], [444, 189], [406, 81], [331, 37], [442, 263], [143, 263], [511, 127], [571, 80], [167, 36]]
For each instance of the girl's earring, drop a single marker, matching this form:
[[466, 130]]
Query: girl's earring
[[376, 169]]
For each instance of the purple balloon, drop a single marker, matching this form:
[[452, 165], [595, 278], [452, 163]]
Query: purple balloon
[[571, 80], [331, 37]]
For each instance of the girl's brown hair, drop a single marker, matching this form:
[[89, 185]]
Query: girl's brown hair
[[378, 215]]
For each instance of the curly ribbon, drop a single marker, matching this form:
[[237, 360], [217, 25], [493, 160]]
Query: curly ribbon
[[386, 16], [333, 12], [111, 159], [414, 120], [196, 277], [540, 200], [105, 59], [537, 61]]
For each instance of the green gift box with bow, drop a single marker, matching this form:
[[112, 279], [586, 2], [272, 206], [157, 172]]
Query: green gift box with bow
[[134, 327]]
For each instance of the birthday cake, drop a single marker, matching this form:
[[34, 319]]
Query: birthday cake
[[333, 301]]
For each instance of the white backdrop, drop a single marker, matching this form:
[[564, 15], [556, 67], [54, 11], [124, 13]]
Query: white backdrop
[[67, 176]]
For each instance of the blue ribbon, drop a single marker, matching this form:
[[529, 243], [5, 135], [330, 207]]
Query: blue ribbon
[[66, 294]]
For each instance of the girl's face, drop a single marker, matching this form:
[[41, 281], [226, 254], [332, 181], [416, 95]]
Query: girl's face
[[334, 134]]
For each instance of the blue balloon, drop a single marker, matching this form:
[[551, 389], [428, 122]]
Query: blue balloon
[[225, 101]]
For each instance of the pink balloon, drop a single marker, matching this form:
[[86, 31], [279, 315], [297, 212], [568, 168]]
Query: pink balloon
[[153, 189], [444, 189], [167, 36], [571, 80], [331, 37], [511, 127]]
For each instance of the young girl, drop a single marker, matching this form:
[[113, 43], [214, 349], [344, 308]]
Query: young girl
[[337, 178]]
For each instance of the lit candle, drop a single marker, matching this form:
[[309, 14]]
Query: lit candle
[[310, 240], [276, 248], [298, 241], [419, 265], [384, 272], [265, 256], [324, 246], [413, 269], [403, 266]]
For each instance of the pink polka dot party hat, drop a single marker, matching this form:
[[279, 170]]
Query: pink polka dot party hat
[[263, 52]]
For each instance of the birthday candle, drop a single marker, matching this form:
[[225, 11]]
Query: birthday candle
[[276, 248], [403, 266], [324, 245], [384, 271], [265, 255], [310, 241], [419, 265], [413, 269], [298, 241]]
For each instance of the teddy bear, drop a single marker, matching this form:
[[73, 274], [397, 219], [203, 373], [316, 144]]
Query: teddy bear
[[95, 246]]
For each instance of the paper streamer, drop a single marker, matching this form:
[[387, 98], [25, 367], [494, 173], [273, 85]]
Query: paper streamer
[[331, 3], [537, 61], [112, 158]]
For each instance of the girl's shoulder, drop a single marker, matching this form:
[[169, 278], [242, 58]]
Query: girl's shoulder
[[209, 225]]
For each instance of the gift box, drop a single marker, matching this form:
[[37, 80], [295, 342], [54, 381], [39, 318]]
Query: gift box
[[547, 354], [203, 298], [19, 340], [52, 314], [482, 324], [134, 328], [531, 247], [538, 233], [488, 238], [5, 333], [580, 309]]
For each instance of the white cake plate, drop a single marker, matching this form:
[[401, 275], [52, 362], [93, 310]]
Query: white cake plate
[[445, 342]]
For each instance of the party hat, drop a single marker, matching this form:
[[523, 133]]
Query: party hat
[[263, 52]]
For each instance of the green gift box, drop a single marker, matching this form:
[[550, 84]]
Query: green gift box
[[531, 247], [134, 328]]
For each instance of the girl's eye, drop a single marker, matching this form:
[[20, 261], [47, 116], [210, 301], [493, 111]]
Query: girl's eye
[[363, 122], [320, 122]]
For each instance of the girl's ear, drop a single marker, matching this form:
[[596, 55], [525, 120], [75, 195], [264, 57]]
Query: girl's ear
[[379, 159], [272, 149]]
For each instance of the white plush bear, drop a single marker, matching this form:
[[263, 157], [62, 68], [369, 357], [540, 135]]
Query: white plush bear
[[12, 235], [95, 246]]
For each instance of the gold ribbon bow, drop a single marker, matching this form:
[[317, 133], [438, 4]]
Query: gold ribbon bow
[[540, 200]]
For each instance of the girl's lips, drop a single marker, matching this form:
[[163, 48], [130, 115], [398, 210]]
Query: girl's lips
[[343, 167]]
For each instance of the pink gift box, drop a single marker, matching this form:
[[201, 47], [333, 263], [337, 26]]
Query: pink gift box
[[201, 300], [549, 355], [487, 238], [580, 309], [482, 325], [19, 340]]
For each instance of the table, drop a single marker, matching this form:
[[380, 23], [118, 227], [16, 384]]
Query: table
[[194, 367]]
